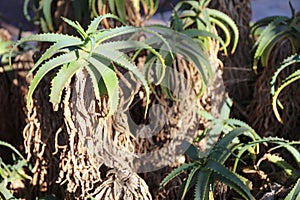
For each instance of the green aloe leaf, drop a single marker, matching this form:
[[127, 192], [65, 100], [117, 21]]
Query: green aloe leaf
[[111, 82], [76, 26], [287, 81], [63, 76], [289, 147], [222, 17], [290, 79], [188, 13], [294, 194], [109, 34], [274, 40], [46, 5], [280, 143], [238, 123], [263, 22], [203, 33], [189, 181], [97, 81], [192, 151], [55, 48], [229, 178], [280, 162], [121, 8], [285, 63], [48, 37], [94, 25], [203, 185], [198, 60], [122, 60], [131, 44], [47, 67], [176, 172], [222, 149], [112, 5]]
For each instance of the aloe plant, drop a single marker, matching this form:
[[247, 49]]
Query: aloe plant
[[222, 124], [207, 167], [181, 43], [270, 33], [276, 90], [196, 15], [204, 171], [95, 52]]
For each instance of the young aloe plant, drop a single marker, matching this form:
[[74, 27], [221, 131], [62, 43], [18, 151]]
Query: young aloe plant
[[223, 124], [207, 167], [95, 51], [204, 171], [197, 16], [272, 32]]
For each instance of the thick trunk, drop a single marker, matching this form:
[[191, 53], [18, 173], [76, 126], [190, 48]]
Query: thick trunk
[[102, 146]]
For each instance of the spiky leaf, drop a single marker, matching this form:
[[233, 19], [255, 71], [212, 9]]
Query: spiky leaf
[[294, 194], [47, 67], [203, 185], [111, 82], [63, 77], [229, 178], [176, 172], [222, 149]]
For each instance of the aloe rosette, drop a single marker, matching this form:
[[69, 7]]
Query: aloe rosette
[[95, 51]]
